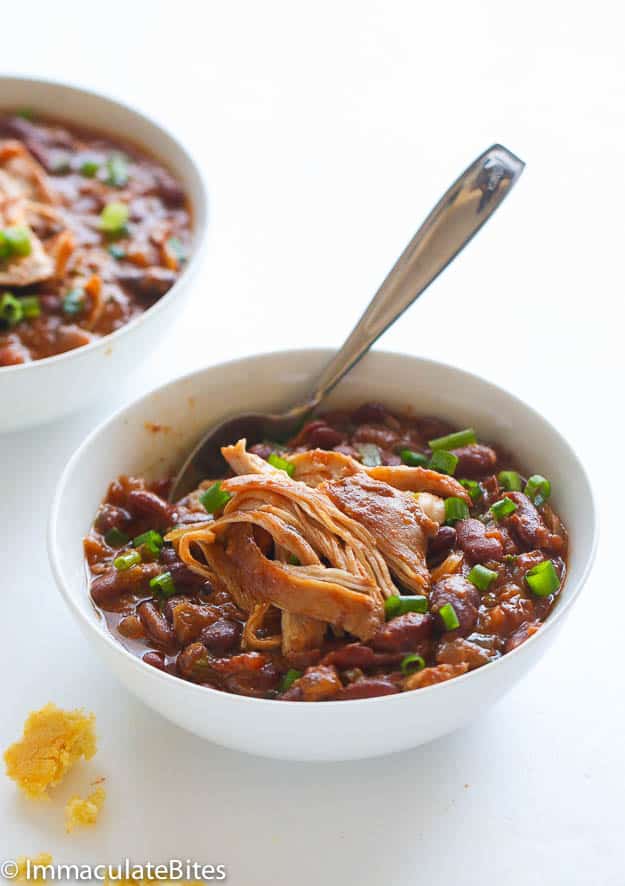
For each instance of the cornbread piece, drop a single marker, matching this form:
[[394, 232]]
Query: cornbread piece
[[52, 742], [84, 812], [25, 866]]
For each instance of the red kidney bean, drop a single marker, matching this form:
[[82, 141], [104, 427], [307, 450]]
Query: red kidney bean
[[180, 573], [325, 437], [194, 663], [356, 655], [108, 587], [156, 625], [319, 683], [462, 595], [383, 437], [403, 633], [461, 651], [368, 687], [190, 619], [156, 659], [148, 504], [258, 684], [475, 460], [110, 516], [528, 526], [370, 413], [476, 545], [442, 542], [222, 636]]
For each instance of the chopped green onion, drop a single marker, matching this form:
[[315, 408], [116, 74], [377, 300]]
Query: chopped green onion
[[444, 462], [482, 577], [455, 440], [117, 251], [370, 454], [89, 168], [126, 560], [178, 250], [10, 309], [281, 464], [503, 508], [509, 480], [15, 241], [289, 678], [115, 538], [455, 509], [117, 171], [413, 459], [412, 663], [74, 302], [473, 488], [292, 560], [395, 605], [113, 218], [26, 114], [449, 617], [152, 540], [538, 489], [215, 498], [31, 308], [543, 579], [163, 584]]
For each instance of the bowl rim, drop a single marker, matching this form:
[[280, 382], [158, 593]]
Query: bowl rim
[[198, 691], [200, 200]]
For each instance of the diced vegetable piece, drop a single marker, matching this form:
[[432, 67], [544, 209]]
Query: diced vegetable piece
[[115, 538], [449, 617], [31, 308], [289, 678], [152, 540], [394, 605], [455, 440], [117, 251], [412, 663], [18, 241], [10, 310], [370, 453], [538, 489], [503, 508], [215, 498], [282, 464], [89, 167], [543, 579], [444, 462], [117, 171], [509, 480], [413, 459], [74, 302], [113, 218], [163, 584], [126, 560], [482, 577], [455, 509], [473, 488]]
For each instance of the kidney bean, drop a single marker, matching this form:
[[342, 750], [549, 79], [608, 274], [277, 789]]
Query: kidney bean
[[319, 683], [368, 687], [168, 188], [302, 660], [528, 526], [521, 635], [180, 573], [108, 587], [263, 450], [258, 684], [110, 516], [429, 428], [190, 619], [437, 674], [370, 413], [476, 545], [513, 609], [383, 437], [131, 627], [390, 458], [148, 504], [325, 437], [356, 655], [156, 659], [461, 651], [442, 542], [222, 636], [403, 633], [462, 595], [194, 663], [150, 282], [475, 460], [156, 625]]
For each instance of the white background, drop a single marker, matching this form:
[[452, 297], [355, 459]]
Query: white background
[[326, 132]]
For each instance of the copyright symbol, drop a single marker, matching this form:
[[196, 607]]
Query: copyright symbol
[[9, 870]]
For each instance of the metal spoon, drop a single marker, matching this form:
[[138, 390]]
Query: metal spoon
[[460, 213]]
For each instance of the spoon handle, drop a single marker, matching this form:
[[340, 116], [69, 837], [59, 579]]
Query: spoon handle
[[459, 214]]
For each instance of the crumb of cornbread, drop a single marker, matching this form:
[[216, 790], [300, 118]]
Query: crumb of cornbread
[[84, 812], [52, 742], [25, 866]]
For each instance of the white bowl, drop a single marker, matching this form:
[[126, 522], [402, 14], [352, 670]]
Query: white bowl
[[338, 730], [36, 392]]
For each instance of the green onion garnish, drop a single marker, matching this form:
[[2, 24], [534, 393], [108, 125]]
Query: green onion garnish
[[289, 678], [412, 663], [117, 251], [292, 560], [449, 617], [455, 509], [473, 488], [14, 242], [538, 489], [370, 454], [152, 540], [413, 459], [543, 579], [394, 605], [89, 168], [74, 302], [113, 218], [115, 538], [503, 508], [482, 577], [215, 498], [455, 440], [178, 250], [509, 480], [126, 560], [163, 584], [117, 171], [276, 461], [10, 309], [31, 308], [444, 462]]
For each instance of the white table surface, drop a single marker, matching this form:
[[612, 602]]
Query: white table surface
[[327, 131]]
